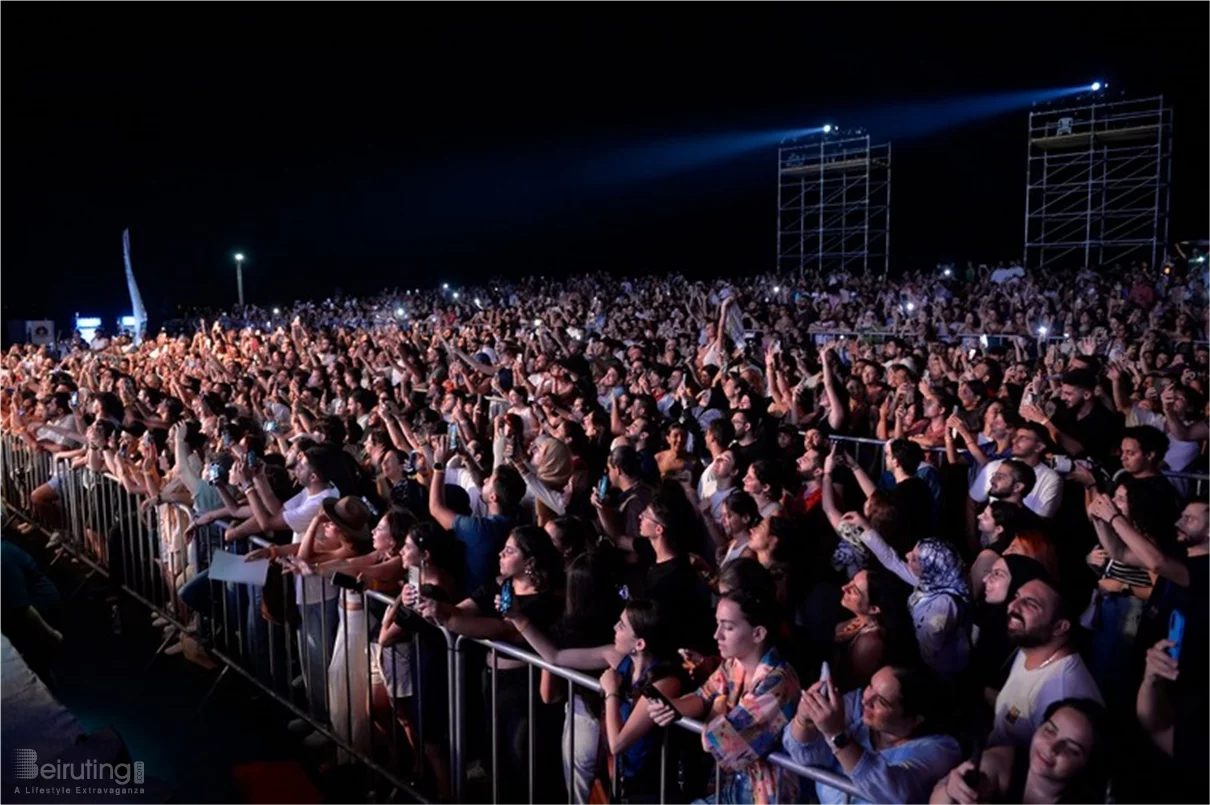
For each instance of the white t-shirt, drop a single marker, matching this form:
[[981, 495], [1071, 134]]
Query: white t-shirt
[[1180, 454], [66, 423], [1043, 500], [298, 512], [1026, 695], [1003, 275], [460, 476], [716, 501]]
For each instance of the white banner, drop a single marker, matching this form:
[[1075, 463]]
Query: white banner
[[136, 300], [40, 332]]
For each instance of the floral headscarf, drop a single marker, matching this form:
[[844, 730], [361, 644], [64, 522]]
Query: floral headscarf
[[850, 555], [942, 572]]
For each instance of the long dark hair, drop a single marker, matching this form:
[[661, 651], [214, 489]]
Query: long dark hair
[[590, 605], [921, 694], [1089, 785], [890, 595], [443, 550], [546, 570], [650, 622]]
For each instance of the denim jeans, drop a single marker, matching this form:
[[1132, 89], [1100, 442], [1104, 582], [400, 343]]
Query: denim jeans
[[737, 789], [266, 644], [316, 640], [587, 730]]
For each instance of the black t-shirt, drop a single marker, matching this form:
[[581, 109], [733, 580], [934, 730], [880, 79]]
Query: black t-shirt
[[678, 588], [745, 455], [1189, 694], [914, 505], [1194, 603], [1100, 432], [543, 609]]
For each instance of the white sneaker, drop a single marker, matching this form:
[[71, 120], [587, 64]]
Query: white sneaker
[[56, 539], [316, 740]]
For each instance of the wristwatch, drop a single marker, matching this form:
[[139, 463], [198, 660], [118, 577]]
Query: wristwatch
[[839, 741], [438, 466]]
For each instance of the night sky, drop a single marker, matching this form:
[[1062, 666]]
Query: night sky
[[379, 145]]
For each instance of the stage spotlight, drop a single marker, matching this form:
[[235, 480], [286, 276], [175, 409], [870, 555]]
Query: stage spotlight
[[827, 128], [1096, 86], [445, 286], [276, 311], [455, 294], [399, 312]]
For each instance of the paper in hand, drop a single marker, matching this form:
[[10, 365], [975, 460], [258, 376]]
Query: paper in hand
[[232, 567]]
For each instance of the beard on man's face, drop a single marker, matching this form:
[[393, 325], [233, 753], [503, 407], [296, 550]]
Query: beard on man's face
[[1023, 637]]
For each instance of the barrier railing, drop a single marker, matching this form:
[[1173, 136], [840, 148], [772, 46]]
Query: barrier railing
[[156, 556], [576, 679], [305, 629]]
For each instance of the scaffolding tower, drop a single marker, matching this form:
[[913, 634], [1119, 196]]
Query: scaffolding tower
[[1097, 183], [834, 204]]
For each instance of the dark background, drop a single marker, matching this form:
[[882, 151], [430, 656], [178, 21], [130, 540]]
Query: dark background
[[378, 145]]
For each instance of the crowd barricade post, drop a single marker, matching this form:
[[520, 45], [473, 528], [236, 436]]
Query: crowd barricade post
[[103, 525], [574, 678]]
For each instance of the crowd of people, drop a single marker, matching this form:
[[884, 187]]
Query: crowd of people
[[943, 536]]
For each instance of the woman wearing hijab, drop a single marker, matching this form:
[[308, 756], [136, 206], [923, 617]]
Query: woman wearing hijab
[[992, 651], [940, 602]]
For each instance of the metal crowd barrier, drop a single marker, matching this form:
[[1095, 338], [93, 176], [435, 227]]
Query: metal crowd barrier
[[147, 554], [576, 679]]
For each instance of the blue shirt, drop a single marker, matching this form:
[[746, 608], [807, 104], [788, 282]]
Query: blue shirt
[[482, 538], [902, 773]]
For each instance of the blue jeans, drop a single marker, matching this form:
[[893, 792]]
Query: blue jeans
[[316, 640], [265, 643], [737, 789]]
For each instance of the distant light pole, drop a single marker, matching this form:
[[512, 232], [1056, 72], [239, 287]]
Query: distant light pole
[[239, 276]]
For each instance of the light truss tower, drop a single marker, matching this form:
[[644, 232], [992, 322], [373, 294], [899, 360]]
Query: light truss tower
[[1097, 183], [834, 204]]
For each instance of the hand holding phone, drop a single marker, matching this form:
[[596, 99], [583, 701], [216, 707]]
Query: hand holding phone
[[506, 597], [1176, 633], [650, 691], [825, 676]]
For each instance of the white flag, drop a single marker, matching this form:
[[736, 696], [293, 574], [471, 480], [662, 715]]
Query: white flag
[[136, 301]]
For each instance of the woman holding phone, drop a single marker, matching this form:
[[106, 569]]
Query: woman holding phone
[[883, 737], [531, 572], [642, 658], [746, 702], [408, 651]]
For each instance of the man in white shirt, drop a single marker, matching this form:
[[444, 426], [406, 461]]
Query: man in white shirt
[[1029, 443], [718, 434], [1046, 668], [316, 599]]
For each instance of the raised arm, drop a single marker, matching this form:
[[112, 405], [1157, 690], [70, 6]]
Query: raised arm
[[584, 659]]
